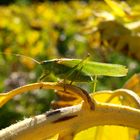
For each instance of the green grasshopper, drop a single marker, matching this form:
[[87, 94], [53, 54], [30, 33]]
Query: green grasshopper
[[68, 69], [78, 70]]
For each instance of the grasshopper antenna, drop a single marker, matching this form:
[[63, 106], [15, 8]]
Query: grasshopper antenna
[[24, 56], [20, 55]]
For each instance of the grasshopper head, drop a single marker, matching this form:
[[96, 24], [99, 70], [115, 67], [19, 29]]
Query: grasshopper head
[[48, 66]]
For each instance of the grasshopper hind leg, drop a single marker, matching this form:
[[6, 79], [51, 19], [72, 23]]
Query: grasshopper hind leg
[[69, 73], [72, 71], [76, 75]]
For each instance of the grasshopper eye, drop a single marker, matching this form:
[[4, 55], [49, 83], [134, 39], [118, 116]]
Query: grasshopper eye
[[47, 72]]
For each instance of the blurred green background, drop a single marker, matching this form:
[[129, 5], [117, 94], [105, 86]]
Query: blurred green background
[[56, 29]]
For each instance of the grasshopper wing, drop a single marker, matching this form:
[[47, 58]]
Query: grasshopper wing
[[96, 68]]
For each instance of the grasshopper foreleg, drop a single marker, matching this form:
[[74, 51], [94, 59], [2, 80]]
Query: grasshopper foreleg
[[42, 77]]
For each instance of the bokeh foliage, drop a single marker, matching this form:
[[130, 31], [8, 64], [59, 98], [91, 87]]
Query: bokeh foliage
[[57, 29]]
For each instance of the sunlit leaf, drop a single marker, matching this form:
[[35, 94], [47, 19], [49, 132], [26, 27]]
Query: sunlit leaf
[[133, 84], [37, 48], [26, 62], [54, 137], [116, 7], [4, 98], [105, 133], [32, 37]]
